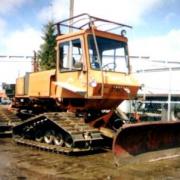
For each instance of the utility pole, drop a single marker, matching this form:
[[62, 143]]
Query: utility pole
[[35, 63], [71, 10], [71, 13], [70, 49]]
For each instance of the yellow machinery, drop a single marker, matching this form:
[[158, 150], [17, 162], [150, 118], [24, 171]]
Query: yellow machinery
[[73, 107], [92, 71]]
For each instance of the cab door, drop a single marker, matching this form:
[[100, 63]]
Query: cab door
[[71, 77]]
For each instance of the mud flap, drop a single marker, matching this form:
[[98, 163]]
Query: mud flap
[[144, 137]]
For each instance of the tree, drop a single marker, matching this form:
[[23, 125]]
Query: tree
[[47, 52]]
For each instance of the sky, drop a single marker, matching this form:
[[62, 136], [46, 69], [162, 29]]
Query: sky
[[155, 33]]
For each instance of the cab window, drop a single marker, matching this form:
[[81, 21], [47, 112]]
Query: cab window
[[70, 55], [113, 54]]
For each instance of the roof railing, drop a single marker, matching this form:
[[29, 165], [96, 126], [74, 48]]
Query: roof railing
[[86, 21]]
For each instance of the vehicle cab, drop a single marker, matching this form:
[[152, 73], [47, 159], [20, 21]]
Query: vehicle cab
[[93, 63]]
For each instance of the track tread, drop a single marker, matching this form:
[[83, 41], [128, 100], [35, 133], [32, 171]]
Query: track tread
[[8, 119], [73, 126]]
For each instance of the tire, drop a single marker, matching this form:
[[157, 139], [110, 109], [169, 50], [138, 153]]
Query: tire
[[68, 142], [58, 140], [49, 137], [39, 136]]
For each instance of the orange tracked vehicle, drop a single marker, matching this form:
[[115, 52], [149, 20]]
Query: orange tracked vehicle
[[73, 108]]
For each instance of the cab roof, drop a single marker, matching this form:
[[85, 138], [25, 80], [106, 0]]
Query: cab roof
[[89, 31]]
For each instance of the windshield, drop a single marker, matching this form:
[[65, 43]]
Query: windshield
[[113, 54]]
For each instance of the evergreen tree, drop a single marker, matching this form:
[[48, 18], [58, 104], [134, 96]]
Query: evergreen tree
[[47, 52]]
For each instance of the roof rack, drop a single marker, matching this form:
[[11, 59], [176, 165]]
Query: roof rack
[[85, 21]]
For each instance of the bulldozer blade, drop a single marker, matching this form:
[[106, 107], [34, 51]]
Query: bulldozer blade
[[139, 138]]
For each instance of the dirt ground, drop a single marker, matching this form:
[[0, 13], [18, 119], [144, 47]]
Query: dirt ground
[[21, 163]]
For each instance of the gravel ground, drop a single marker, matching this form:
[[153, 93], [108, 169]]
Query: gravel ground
[[21, 163]]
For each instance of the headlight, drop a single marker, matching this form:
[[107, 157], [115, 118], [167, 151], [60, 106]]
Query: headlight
[[93, 83]]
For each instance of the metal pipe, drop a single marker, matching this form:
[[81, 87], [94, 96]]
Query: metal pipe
[[169, 96]]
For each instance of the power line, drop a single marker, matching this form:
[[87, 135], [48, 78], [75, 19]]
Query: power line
[[15, 58], [15, 61]]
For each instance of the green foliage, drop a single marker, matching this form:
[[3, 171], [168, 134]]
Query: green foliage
[[47, 52]]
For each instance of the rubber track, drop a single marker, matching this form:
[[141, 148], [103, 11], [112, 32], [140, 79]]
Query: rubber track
[[7, 120], [51, 148], [75, 126]]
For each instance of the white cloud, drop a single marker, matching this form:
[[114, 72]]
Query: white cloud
[[23, 42], [9, 71], [57, 10], [2, 26], [122, 11], [2, 33], [9, 5], [127, 11], [162, 47]]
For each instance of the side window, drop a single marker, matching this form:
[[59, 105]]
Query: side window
[[71, 55], [114, 60]]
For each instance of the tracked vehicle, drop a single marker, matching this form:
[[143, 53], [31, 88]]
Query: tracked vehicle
[[8, 120], [73, 108]]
